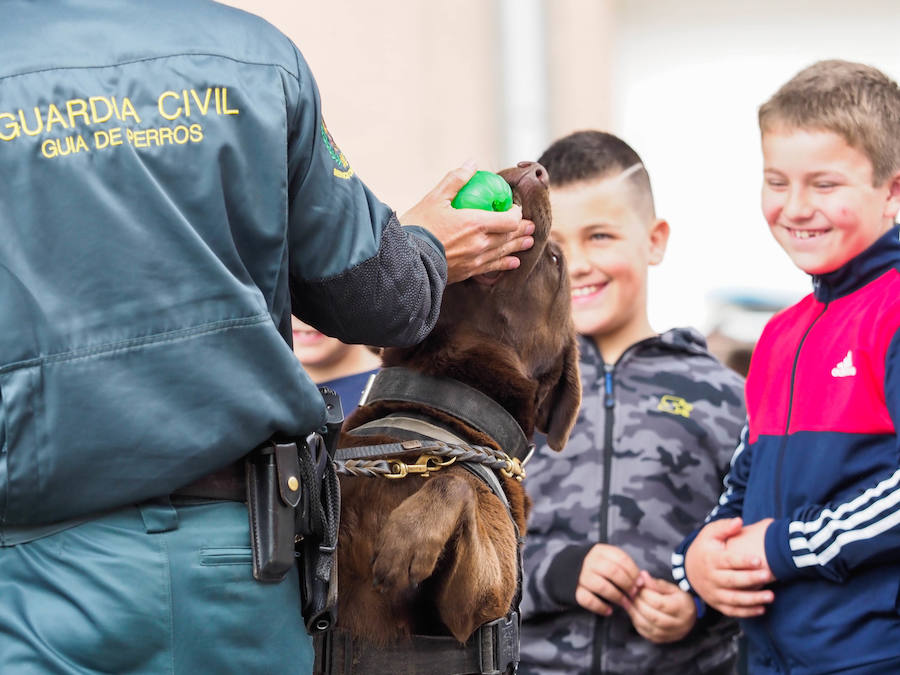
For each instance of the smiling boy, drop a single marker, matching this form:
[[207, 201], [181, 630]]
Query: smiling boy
[[645, 460], [345, 368], [815, 571]]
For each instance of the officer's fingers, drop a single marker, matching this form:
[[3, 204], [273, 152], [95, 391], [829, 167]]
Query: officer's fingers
[[510, 246], [507, 222], [492, 265], [453, 181], [502, 259], [591, 602], [526, 228], [492, 268], [499, 245], [469, 234], [504, 264]]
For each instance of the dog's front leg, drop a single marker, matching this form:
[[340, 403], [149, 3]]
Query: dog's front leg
[[480, 579], [412, 541], [457, 521]]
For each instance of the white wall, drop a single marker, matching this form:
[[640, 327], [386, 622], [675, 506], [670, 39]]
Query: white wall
[[409, 88], [412, 88], [688, 77]]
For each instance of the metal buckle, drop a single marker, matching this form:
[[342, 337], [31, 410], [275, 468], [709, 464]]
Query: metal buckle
[[368, 388], [529, 454], [513, 469], [425, 465]]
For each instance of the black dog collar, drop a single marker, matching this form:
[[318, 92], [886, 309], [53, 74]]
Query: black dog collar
[[454, 398]]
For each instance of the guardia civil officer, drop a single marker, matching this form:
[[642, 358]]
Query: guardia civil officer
[[169, 193]]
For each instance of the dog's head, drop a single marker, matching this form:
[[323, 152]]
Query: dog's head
[[510, 334]]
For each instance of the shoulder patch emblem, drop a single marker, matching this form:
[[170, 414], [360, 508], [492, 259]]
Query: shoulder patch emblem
[[343, 169], [675, 405]]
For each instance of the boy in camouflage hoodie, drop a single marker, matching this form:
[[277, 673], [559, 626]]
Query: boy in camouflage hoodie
[[647, 456]]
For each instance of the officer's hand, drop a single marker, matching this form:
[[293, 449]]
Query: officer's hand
[[661, 612], [608, 576], [475, 242]]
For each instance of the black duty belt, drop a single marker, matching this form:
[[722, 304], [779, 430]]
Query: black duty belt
[[228, 483]]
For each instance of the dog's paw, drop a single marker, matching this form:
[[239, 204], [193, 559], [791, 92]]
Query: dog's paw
[[404, 558], [419, 531]]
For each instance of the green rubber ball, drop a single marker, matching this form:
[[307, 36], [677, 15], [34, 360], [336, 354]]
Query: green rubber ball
[[486, 191]]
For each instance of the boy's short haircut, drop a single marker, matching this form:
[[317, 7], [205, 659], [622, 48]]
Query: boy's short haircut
[[589, 155], [858, 102]]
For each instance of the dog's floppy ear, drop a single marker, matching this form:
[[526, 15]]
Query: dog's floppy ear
[[558, 410]]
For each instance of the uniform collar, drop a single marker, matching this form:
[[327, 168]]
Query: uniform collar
[[859, 271]]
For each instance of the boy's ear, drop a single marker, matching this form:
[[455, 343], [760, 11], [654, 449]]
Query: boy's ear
[[659, 237], [892, 207]]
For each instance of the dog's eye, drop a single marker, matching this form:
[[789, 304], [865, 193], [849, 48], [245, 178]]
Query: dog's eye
[[554, 258]]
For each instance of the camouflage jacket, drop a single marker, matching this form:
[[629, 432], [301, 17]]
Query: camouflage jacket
[[643, 466]]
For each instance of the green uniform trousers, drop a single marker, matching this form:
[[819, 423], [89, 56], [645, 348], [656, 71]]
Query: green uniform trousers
[[148, 589]]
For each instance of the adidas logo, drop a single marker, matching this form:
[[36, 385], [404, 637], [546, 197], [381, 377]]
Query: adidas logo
[[845, 368]]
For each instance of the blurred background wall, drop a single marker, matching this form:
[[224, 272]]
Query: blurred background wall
[[412, 88]]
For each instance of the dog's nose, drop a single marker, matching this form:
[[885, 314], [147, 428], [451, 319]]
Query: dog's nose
[[537, 171]]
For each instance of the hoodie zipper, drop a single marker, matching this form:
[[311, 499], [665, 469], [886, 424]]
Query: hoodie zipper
[[779, 467], [787, 424], [609, 402], [601, 631]]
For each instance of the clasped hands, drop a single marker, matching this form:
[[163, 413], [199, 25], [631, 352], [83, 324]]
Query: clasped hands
[[726, 565], [658, 609]]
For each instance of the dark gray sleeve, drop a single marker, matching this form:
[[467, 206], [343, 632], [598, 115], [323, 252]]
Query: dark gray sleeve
[[392, 299], [563, 573], [355, 273]]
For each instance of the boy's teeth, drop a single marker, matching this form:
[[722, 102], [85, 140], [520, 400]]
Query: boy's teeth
[[806, 234]]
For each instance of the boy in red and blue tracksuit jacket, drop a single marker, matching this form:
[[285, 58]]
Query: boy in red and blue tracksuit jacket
[[804, 545]]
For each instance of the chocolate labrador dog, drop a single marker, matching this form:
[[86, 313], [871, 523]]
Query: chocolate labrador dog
[[437, 553]]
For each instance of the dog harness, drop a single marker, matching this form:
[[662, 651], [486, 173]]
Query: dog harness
[[494, 646]]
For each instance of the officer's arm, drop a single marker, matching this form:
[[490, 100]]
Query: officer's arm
[[355, 272]]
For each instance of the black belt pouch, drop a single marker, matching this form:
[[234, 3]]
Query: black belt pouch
[[273, 492]]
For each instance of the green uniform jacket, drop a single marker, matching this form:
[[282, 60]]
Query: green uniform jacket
[[169, 194]]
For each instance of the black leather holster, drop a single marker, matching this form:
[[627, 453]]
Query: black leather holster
[[274, 492], [293, 499]]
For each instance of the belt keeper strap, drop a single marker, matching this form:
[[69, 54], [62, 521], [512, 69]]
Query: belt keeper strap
[[499, 641], [288, 467]]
